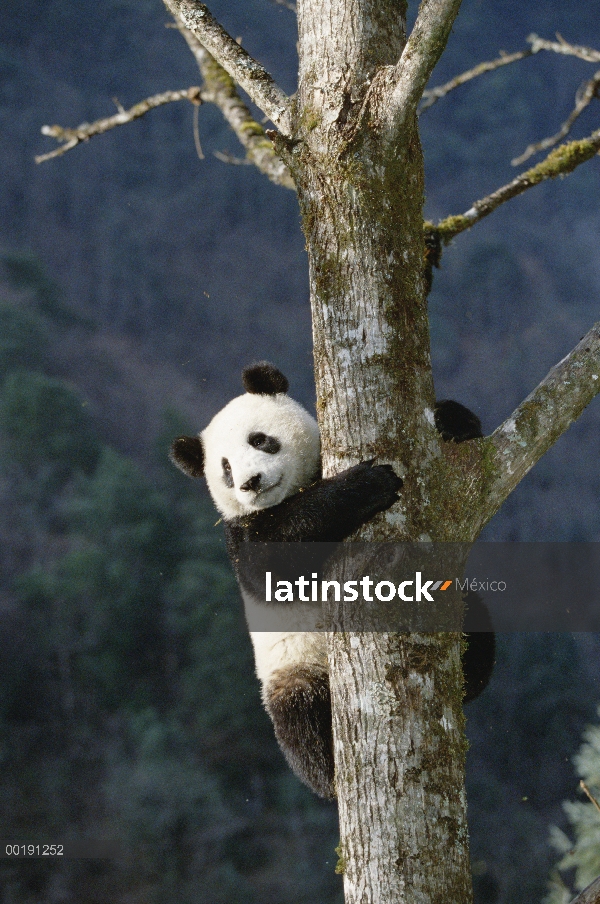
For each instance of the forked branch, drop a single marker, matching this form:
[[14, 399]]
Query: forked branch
[[588, 54], [246, 71], [543, 417], [432, 95], [219, 88], [70, 138], [587, 92]]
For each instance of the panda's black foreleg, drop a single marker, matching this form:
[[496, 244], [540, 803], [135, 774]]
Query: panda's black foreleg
[[331, 509], [298, 700]]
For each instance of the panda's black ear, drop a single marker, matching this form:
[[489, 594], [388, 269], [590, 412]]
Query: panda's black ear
[[264, 379], [187, 453]]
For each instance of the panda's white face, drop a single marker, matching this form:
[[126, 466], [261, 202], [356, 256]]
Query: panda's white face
[[259, 450]]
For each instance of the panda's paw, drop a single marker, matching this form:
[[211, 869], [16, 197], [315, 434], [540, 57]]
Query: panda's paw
[[380, 484], [387, 485]]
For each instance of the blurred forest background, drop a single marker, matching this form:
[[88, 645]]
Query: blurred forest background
[[135, 283]]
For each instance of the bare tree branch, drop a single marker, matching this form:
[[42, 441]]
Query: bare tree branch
[[73, 137], [219, 88], [421, 52], [543, 417], [246, 71], [589, 895], [564, 159], [586, 93], [432, 95], [561, 46]]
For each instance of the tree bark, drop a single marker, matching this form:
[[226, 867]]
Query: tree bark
[[357, 163]]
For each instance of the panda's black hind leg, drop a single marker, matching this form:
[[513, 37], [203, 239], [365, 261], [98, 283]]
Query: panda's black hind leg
[[456, 422], [299, 703], [480, 655]]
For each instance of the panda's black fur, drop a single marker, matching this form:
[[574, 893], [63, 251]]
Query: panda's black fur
[[261, 458]]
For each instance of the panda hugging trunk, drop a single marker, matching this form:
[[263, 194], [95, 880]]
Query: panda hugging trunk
[[261, 459]]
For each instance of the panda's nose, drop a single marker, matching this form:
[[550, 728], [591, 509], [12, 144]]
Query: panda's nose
[[252, 484]]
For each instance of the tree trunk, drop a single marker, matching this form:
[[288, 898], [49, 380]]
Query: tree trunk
[[360, 187]]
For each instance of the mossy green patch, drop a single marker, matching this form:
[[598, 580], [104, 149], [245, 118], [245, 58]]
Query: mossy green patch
[[562, 160], [216, 77], [451, 226], [340, 867]]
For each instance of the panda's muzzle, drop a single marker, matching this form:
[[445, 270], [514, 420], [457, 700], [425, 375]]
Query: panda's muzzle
[[252, 485]]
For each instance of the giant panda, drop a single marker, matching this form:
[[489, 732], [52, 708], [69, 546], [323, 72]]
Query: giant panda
[[260, 456]]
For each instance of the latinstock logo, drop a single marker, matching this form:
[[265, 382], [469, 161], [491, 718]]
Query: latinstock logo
[[308, 590]]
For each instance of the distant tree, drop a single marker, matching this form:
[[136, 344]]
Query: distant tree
[[23, 340], [45, 422], [582, 856], [348, 143], [26, 273]]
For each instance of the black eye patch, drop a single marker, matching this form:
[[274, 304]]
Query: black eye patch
[[227, 476], [264, 443]]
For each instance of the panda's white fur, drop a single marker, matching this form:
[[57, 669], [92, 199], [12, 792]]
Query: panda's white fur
[[276, 650], [293, 467]]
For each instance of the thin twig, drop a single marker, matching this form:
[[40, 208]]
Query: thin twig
[[562, 160], [432, 95], [589, 794], [70, 138], [589, 54], [196, 128], [247, 72], [586, 93], [226, 157]]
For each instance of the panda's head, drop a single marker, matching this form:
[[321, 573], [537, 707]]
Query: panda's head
[[258, 450]]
